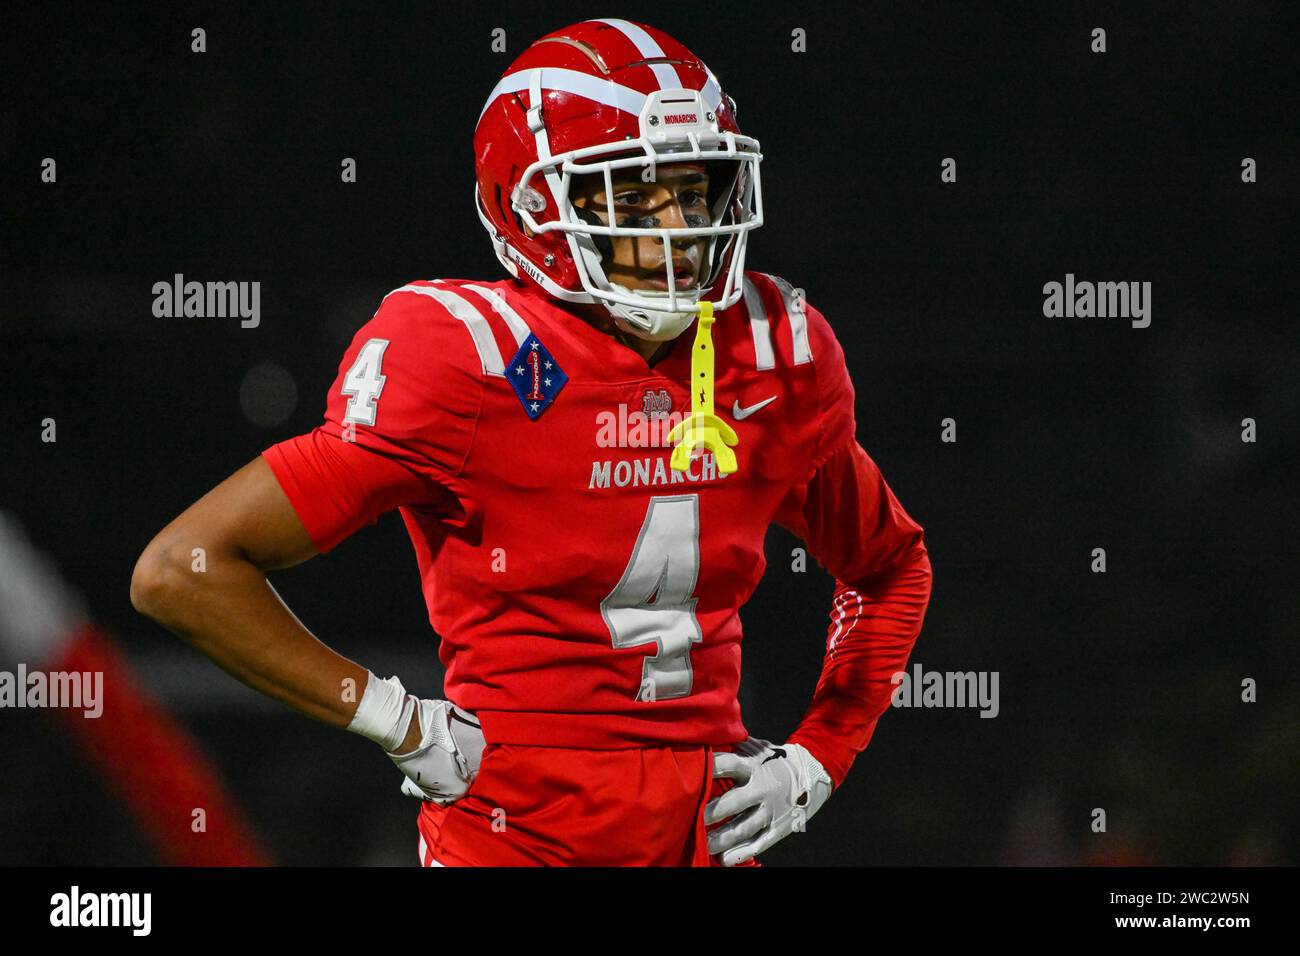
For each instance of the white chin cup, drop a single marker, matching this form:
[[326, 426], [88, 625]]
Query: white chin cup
[[653, 325]]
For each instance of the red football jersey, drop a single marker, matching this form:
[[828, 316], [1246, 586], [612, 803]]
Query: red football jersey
[[586, 594]]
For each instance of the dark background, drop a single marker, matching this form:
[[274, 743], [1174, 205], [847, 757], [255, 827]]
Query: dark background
[[1118, 690]]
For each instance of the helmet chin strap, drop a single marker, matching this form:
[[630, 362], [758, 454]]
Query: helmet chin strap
[[653, 325]]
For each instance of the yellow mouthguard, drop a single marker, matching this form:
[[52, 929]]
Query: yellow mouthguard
[[702, 427]]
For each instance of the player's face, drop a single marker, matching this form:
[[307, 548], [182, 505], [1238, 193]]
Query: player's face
[[677, 198]]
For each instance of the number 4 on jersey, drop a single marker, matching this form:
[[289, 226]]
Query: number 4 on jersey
[[364, 382], [653, 602]]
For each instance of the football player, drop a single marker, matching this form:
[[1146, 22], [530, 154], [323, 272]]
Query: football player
[[584, 548]]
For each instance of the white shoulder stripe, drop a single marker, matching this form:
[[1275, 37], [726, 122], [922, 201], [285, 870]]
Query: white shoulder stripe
[[759, 327], [798, 321], [518, 327], [488, 353], [647, 46]]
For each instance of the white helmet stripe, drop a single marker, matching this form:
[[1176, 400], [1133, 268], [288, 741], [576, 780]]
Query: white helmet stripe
[[711, 92], [571, 81], [665, 73]]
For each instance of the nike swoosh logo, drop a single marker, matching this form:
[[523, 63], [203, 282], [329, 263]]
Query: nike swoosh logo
[[739, 413]]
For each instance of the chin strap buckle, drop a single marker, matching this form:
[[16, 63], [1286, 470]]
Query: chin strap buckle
[[702, 426]]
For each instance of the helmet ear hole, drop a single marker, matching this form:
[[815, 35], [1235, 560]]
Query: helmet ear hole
[[505, 207]]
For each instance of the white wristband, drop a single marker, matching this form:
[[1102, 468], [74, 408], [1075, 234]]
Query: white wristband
[[384, 714]]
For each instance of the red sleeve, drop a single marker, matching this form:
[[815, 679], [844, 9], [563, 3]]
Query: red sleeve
[[855, 528], [399, 420]]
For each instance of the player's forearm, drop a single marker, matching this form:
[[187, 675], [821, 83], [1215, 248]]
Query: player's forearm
[[230, 612]]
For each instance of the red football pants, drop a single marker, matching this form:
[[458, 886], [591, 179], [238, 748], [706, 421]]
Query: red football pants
[[554, 806]]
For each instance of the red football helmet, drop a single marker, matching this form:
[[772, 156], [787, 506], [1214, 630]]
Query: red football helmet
[[606, 95]]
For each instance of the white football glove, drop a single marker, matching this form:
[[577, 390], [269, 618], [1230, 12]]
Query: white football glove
[[777, 791], [446, 760]]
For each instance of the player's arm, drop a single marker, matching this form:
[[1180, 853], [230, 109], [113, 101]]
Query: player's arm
[[856, 529], [203, 577], [396, 430]]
